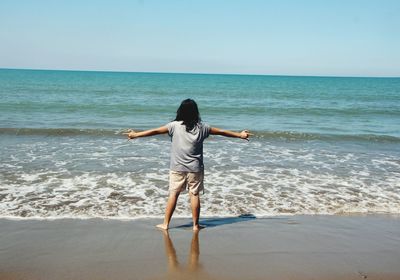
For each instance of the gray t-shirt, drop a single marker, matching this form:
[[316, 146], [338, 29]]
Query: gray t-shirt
[[187, 147]]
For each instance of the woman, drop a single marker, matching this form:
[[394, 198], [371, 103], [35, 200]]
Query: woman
[[187, 134]]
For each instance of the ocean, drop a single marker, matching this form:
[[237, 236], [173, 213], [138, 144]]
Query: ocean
[[322, 145]]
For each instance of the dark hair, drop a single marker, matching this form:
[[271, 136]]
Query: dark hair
[[188, 113]]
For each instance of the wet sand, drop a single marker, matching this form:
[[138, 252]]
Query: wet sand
[[296, 247]]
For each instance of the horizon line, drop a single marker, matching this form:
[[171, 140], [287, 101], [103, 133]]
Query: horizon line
[[198, 73]]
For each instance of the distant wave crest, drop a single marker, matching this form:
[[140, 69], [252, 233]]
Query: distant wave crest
[[265, 135], [60, 131]]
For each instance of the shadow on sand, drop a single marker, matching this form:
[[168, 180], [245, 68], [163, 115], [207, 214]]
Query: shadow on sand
[[215, 222]]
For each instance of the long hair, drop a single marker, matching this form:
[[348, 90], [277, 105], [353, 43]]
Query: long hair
[[188, 113]]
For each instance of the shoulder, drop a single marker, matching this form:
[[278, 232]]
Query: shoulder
[[173, 123], [205, 128], [204, 125], [172, 126]]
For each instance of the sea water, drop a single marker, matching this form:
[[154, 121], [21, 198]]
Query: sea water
[[322, 145]]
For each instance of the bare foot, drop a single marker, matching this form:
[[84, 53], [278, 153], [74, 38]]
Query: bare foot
[[197, 227], [162, 226]]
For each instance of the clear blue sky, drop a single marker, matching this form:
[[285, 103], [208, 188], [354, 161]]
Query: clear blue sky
[[289, 37]]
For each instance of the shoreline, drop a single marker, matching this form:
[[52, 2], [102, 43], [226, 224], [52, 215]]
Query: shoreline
[[277, 247], [202, 218]]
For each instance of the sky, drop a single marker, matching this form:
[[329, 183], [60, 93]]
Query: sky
[[271, 37]]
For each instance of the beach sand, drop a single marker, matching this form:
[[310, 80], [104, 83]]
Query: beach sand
[[283, 247]]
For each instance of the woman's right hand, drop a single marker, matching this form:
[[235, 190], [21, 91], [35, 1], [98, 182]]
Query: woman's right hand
[[130, 133]]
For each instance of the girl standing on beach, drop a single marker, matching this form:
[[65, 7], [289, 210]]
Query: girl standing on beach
[[187, 134]]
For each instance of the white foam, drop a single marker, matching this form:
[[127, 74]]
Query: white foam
[[125, 181]]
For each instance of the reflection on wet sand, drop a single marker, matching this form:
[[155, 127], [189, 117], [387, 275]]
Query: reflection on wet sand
[[193, 269]]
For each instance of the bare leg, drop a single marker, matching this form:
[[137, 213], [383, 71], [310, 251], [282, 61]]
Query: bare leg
[[171, 204], [195, 203], [193, 264], [173, 263]]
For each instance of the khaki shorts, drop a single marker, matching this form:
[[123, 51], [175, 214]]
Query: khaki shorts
[[180, 181]]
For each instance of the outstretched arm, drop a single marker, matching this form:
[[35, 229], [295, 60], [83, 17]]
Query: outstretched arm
[[245, 134], [133, 134]]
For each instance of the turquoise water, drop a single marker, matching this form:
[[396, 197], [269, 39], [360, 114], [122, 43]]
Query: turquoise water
[[322, 145], [87, 100]]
